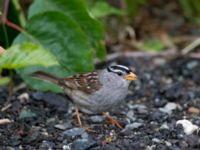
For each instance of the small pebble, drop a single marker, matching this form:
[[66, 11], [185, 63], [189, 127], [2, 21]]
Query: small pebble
[[134, 125], [142, 109], [168, 143], [47, 145], [97, 119], [24, 97], [130, 115], [164, 126], [27, 114], [66, 147], [188, 127], [168, 108], [193, 110], [63, 126], [74, 132], [52, 99], [192, 64], [156, 140], [130, 127], [83, 144], [172, 93]]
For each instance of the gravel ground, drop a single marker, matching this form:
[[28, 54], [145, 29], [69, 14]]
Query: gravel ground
[[165, 93]]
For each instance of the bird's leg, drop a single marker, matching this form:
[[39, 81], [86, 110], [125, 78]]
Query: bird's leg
[[112, 120], [80, 122], [78, 117]]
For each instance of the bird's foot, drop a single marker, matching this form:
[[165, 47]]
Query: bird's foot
[[112, 120]]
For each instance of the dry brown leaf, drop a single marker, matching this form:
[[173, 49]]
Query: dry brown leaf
[[1, 50], [5, 121]]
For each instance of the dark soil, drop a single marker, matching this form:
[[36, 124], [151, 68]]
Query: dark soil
[[47, 120]]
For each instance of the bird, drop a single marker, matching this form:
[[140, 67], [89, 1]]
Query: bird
[[95, 92]]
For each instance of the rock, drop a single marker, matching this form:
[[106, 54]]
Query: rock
[[188, 127], [130, 116], [24, 97], [15, 140], [168, 144], [171, 106], [97, 119], [34, 136], [129, 127], [156, 140], [174, 92], [158, 116], [168, 108], [73, 132], [134, 125], [193, 110], [141, 109], [159, 102], [67, 147], [192, 64], [164, 126], [52, 99], [27, 114], [47, 145], [83, 144], [63, 126], [84, 135]]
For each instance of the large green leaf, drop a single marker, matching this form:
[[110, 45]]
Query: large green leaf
[[27, 54], [63, 37], [77, 10], [102, 9]]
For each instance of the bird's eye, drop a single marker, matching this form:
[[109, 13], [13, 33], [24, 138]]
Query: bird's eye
[[119, 73]]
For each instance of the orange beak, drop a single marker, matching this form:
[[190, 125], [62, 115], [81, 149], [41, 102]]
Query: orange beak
[[131, 76]]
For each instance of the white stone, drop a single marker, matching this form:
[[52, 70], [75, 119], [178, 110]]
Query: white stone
[[168, 108], [188, 127], [171, 106]]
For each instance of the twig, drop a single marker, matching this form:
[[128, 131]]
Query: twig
[[4, 19], [5, 11], [167, 53], [14, 26], [5, 121], [6, 107], [191, 47]]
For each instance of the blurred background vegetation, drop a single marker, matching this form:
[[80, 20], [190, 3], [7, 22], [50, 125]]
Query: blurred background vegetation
[[63, 37]]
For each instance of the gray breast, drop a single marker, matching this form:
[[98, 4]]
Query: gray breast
[[113, 92]]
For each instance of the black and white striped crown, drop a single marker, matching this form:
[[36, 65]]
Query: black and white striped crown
[[119, 69]]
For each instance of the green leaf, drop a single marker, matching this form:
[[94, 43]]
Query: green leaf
[[153, 45], [77, 10], [63, 37], [27, 54], [132, 6], [102, 9], [38, 84], [4, 81]]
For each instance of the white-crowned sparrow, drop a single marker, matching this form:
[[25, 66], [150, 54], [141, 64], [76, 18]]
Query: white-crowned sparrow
[[97, 91]]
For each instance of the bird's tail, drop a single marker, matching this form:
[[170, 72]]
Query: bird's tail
[[47, 77]]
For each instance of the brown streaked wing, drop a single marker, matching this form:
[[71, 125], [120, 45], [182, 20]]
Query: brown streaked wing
[[87, 82]]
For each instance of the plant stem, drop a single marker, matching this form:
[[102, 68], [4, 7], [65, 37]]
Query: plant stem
[[5, 34], [4, 19], [5, 11]]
